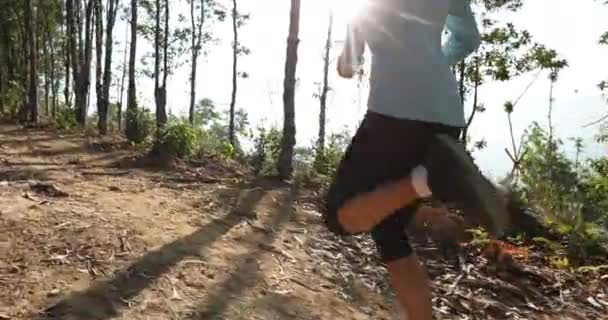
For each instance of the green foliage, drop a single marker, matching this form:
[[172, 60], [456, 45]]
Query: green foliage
[[267, 146], [575, 202], [480, 236], [215, 125], [327, 158], [548, 174], [12, 98], [180, 139], [65, 119], [144, 124]]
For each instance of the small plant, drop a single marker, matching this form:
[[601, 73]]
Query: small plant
[[480, 237], [560, 262], [65, 119], [143, 127], [180, 140], [266, 150]]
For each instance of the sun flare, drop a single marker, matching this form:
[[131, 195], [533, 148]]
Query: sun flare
[[348, 9]]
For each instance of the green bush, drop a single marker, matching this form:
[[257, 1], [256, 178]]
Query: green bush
[[267, 146], [327, 158], [180, 140], [65, 119], [12, 99], [143, 126], [574, 200]]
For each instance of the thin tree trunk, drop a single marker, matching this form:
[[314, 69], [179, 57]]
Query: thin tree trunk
[[325, 89], [5, 56], [107, 73], [157, 61], [53, 80], [285, 165], [465, 131], [131, 127], [122, 81], [235, 53], [67, 56], [83, 72], [1, 87], [33, 73], [162, 120], [88, 54], [197, 35], [1, 79], [102, 114], [47, 84]]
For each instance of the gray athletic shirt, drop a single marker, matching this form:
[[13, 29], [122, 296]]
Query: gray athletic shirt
[[410, 71]]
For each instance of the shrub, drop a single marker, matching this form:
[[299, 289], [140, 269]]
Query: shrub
[[267, 146], [65, 119], [143, 126], [180, 140]]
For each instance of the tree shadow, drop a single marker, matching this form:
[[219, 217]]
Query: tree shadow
[[105, 299], [14, 175], [53, 153], [248, 273]]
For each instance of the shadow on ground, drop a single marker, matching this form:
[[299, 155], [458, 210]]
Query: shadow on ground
[[105, 299], [248, 273]]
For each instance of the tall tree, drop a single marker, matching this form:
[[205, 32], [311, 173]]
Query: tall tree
[[67, 50], [288, 139], [80, 23], [235, 45], [53, 73], [32, 114], [238, 20], [161, 42], [102, 116], [122, 79], [103, 98], [196, 43], [131, 126], [324, 89], [505, 53]]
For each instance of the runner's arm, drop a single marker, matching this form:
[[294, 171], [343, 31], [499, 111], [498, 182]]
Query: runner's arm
[[354, 46], [464, 37]]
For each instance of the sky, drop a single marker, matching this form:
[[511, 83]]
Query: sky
[[572, 30]]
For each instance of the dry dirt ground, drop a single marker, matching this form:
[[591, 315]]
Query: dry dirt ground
[[84, 236]]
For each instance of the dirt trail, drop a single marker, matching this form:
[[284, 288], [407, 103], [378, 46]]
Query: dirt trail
[[125, 245], [130, 243]]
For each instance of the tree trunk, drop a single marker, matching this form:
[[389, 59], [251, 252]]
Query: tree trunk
[[53, 80], [1, 81], [102, 114], [288, 141], [47, 84], [235, 54], [122, 81], [157, 31], [325, 89], [1, 88], [131, 127], [88, 57], [74, 43], [197, 35], [33, 73], [107, 73], [465, 131], [162, 115], [82, 64], [67, 56], [160, 91]]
